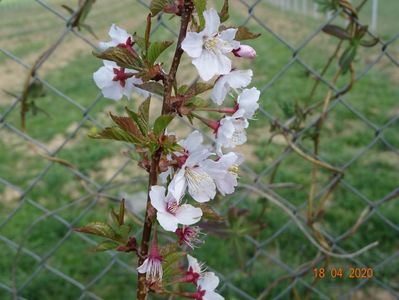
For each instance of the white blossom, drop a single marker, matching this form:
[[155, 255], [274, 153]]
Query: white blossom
[[224, 171], [231, 131], [208, 48], [248, 103], [170, 212], [116, 82], [119, 37], [206, 286], [233, 80], [193, 174]]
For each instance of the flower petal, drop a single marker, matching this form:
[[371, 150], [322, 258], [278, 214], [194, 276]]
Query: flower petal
[[224, 64], [110, 64], [208, 281], [212, 296], [103, 77], [235, 79], [157, 196], [118, 34], [192, 44], [197, 156], [212, 22], [143, 268], [227, 184], [167, 221], [193, 141], [194, 264], [228, 34], [200, 185], [207, 65], [220, 90], [239, 78], [178, 185], [134, 81], [188, 214], [105, 45], [248, 101], [114, 91]]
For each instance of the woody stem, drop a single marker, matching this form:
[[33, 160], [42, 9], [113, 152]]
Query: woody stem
[[142, 289]]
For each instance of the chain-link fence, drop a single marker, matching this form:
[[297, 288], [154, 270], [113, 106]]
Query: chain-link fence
[[53, 178]]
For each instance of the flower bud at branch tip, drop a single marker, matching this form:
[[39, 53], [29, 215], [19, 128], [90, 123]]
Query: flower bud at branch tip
[[245, 51]]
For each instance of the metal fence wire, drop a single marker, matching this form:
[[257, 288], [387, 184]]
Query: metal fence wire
[[43, 258]]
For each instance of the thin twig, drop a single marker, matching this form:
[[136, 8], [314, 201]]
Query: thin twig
[[301, 227], [309, 158]]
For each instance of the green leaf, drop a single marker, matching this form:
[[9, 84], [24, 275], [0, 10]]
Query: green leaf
[[99, 229], [36, 89], [141, 118], [67, 8], [157, 6], [361, 31], [169, 263], [144, 113], [347, 58], [117, 134], [224, 13], [161, 123], [89, 29], [201, 87], [327, 5], [152, 87], [197, 102], [128, 125], [244, 33], [114, 218], [124, 231], [182, 89], [369, 43], [337, 31], [105, 246], [121, 56], [347, 6], [140, 41], [85, 9], [208, 212], [200, 6], [136, 118], [121, 217], [156, 49], [134, 155], [190, 118]]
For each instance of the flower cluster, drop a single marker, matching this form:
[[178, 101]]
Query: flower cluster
[[192, 172], [209, 49], [114, 81]]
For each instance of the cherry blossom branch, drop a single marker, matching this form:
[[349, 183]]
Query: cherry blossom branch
[[171, 77], [168, 80]]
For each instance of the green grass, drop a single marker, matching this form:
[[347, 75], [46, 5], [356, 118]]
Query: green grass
[[374, 174]]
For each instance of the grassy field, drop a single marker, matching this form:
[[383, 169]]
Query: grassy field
[[373, 175]]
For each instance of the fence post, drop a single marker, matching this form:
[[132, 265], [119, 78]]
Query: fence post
[[374, 15], [315, 14], [305, 7]]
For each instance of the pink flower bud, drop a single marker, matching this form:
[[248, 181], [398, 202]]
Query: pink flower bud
[[245, 51], [152, 265]]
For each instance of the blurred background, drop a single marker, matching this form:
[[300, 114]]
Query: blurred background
[[54, 178]]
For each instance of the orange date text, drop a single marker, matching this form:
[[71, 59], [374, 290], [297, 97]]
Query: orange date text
[[351, 273]]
